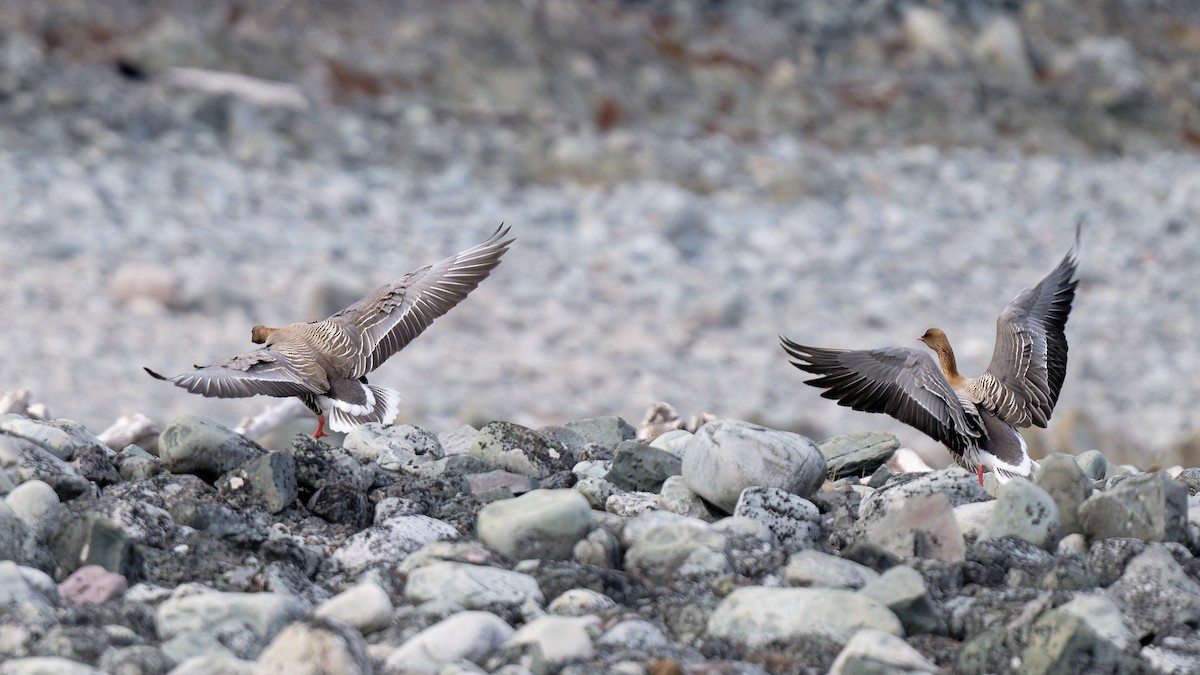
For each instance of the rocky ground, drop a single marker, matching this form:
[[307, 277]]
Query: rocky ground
[[578, 549]]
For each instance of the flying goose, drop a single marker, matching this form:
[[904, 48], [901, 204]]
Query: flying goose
[[325, 363], [975, 417]]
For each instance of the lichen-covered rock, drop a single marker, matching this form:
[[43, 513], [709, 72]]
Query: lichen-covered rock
[[754, 617], [520, 449], [794, 520], [1024, 510], [198, 445]]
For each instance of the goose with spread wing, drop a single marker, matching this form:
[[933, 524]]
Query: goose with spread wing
[[325, 363], [977, 418]]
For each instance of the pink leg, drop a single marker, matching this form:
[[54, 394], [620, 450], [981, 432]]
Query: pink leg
[[320, 433], [981, 476]]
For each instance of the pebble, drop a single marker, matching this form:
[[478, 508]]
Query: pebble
[[580, 602], [1093, 464], [1155, 593], [629, 504], [562, 639], [1026, 511], [902, 589], [392, 445], [92, 585], [390, 541], [519, 449], [27, 595], [666, 552], [925, 526], [540, 524], [245, 621], [315, 647], [677, 498], [727, 456], [1063, 479], [469, 635], [62, 438], [24, 461], [1150, 507], [365, 607], [642, 468], [822, 570], [857, 454], [608, 431]]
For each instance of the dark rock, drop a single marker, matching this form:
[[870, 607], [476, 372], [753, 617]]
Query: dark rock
[[1151, 507], [319, 464], [342, 502], [92, 463], [268, 480], [565, 437], [857, 454], [995, 557], [559, 480], [641, 468], [24, 460], [197, 445], [216, 519]]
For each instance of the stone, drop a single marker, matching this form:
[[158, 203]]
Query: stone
[[596, 490], [37, 505], [580, 602], [242, 622], [821, 570], [1150, 507], [519, 449], [727, 456], [214, 664], [471, 586], [794, 520], [92, 585], [24, 461], [94, 540], [1024, 510], [514, 483], [874, 651], [1093, 464], [756, 617], [902, 589], [641, 468], [320, 465], [677, 498], [930, 38], [47, 665], [1061, 640], [674, 441], [316, 647], [61, 438], [973, 518], [1001, 45], [562, 639], [364, 607], [1155, 593], [135, 659], [599, 548], [27, 596], [567, 438], [676, 551], [1061, 478], [457, 441], [341, 502], [606, 431], [957, 485], [391, 445], [94, 464], [390, 541], [200, 446], [1103, 616], [1073, 544], [634, 634], [268, 481], [629, 504], [924, 527], [539, 524], [465, 636], [857, 454], [135, 464]]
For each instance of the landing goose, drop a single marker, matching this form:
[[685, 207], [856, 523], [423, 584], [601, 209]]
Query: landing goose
[[325, 363], [975, 417]]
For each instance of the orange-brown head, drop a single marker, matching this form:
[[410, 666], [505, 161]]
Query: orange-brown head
[[259, 334], [936, 339]]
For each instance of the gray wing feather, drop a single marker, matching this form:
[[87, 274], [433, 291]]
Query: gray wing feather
[[263, 371]]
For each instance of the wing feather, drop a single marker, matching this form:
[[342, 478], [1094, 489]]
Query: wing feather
[[264, 371]]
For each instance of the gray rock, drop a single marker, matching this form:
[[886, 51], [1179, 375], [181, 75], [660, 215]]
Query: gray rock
[[242, 622], [1026, 511], [634, 634], [596, 490], [219, 664], [874, 651], [94, 540], [727, 456], [674, 441], [391, 541], [540, 524], [471, 586], [471, 636], [1155, 593], [515, 483], [320, 465], [1001, 45], [61, 438], [677, 498], [268, 481], [674, 551], [822, 570], [1150, 507], [756, 617], [562, 639], [457, 441], [37, 505], [47, 665], [135, 464], [857, 454], [392, 445], [27, 596], [94, 464], [1073, 544], [580, 602], [599, 548], [902, 589], [567, 438], [955, 484], [520, 449], [1093, 464], [605, 431], [1061, 640], [25, 461], [1062, 478], [641, 468], [1190, 478], [365, 607], [200, 446], [924, 527], [135, 659], [973, 518], [316, 647], [794, 520], [1103, 616], [629, 504]]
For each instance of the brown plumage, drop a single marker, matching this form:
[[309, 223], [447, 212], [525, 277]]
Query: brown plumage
[[976, 418], [325, 363]]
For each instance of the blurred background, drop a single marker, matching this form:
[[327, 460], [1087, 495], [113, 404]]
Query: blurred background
[[687, 180]]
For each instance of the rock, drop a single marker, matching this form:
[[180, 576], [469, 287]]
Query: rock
[[924, 527], [857, 454], [392, 445], [514, 483], [641, 468], [200, 446], [727, 456], [955, 484], [1093, 464], [930, 38], [580, 602], [24, 461], [519, 449], [37, 505], [95, 540], [340, 502], [902, 589], [1151, 507], [606, 431], [756, 617], [794, 520], [471, 586], [1155, 593], [47, 665], [268, 481], [675, 551], [27, 596], [1073, 544], [674, 441], [1102, 615], [92, 585], [135, 464], [821, 570], [1002, 46], [540, 524], [242, 622], [391, 541], [469, 636], [364, 607], [1103, 72], [634, 634], [135, 659], [874, 651], [1062, 640], [629, 504], [562, 639], [572, 441], [1024, 510], [62, 438], [457, 441], [320, 465], [973, 518], [596, 490], [599, 548], [214, 665], [677, 498], [1061, 478], [316, 647], [93, 464]]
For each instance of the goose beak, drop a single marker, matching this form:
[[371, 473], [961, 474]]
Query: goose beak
[[921, 339]]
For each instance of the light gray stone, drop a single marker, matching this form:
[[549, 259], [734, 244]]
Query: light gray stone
[[727, 456], [634, 634], [562, 639], [1026, 511], [19, 542], [857, 454], [674, 441], [954, 483], [677, 498], [62, 438], [753, 617], [1062, 641], [24, 461], [47, 665], [822, 570], [457, 441], [392, 445], [467, 635], [471, 586], [641, 468], [973, 518], [606, 431], [268, 481], [1061, 478], [365, 607], [316, 647], [214, 665], [875, 651], [391, 541], [902, 589], [678, 550], [794, 520], [243, 622], [1103, 615], [1155, 593], [629, 504], [596, 490], [1093, 464], [580, 602], [1150, 507], [27, 596], [924, 526], [539, 524], [200, 446], [520, 449]]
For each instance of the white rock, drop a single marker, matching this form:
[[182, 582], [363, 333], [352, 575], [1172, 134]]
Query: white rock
[[315, 648], [391, 541], [822, 570], [538, 524], [365, 606], [37, 505], [580, 602], [562, 638], [753, 616], [634, 634], [872, 650], [471, 586], [466, 635]]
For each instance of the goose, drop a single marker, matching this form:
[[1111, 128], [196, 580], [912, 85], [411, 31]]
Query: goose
[[325, 363], [977, 418]]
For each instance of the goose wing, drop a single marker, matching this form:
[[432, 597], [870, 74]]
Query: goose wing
[[263, 371]]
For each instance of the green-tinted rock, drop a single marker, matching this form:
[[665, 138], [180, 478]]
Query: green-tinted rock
[[857, 454], [641, 468]]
